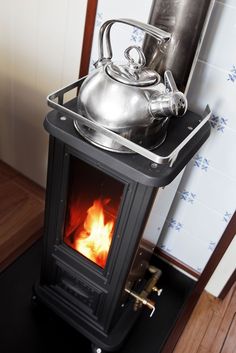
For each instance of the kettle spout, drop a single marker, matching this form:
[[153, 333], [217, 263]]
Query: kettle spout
[[168, 104], [171, 103]]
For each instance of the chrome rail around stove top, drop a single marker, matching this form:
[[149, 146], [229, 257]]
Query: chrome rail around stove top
[[56, 100]]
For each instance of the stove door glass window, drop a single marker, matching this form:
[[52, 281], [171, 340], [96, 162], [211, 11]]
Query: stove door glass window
[[92, 208]]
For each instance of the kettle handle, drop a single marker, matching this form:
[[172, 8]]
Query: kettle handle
[[155, 32]]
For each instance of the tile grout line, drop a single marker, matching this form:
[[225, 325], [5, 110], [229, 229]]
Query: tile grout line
[[216, 67], [224, 4]]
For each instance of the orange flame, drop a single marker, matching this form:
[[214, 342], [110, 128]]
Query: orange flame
[[95, 239]]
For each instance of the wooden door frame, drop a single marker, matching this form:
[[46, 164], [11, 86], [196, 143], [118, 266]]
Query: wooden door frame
[[223, 243], [90, 19]]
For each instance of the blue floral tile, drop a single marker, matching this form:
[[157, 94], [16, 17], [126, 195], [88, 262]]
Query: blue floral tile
[[162, 246], [137, 36], [227, 216], [99, 19], [232, 74], [174, 224], [168, 250], [199, 269], [218, 122], [91, 64], [201, 162], [187, 196], [165, 248], [212, 246]]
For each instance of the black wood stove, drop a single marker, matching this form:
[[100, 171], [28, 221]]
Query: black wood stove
[[96, 271]]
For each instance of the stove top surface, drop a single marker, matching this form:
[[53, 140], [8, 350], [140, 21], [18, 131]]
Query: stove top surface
[[140, 168]]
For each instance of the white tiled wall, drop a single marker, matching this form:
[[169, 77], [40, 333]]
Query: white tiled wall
[[206, 197]]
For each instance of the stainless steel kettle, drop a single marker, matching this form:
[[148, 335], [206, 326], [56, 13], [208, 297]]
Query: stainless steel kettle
[[129, 99]]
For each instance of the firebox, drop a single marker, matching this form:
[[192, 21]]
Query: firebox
[[93, 203], [97, 247]]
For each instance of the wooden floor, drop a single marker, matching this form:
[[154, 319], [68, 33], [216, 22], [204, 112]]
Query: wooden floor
[[212, 326], [21, 214]]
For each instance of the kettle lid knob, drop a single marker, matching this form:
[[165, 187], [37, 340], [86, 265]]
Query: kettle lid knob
[[134, 73]]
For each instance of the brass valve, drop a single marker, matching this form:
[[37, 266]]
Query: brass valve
[[157, 290], [142, 298], [149, 303]]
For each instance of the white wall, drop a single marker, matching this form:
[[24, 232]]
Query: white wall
[[40, 49], [223, 271]]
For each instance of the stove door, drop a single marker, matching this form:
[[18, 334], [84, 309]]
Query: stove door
[[92, 210]]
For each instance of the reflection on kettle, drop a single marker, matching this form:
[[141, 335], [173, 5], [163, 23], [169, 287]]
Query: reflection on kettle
[[129, 99]]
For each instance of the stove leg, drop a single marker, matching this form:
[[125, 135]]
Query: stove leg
[[34, 298], [96, 349]]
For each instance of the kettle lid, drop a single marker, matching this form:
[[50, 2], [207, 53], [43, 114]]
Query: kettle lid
[[134, 73]]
